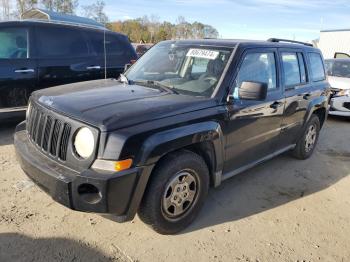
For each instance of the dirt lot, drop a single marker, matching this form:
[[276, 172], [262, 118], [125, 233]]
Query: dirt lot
[[284, 210]]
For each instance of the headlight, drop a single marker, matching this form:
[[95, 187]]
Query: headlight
[[344, 92], [84, 142]]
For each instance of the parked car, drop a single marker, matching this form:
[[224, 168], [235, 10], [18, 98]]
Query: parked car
[[39, 54], [338, 71], [141, 49], [155, 140]]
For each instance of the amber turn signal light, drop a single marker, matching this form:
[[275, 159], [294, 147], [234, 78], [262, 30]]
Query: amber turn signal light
[[122, 165], [112, 166]]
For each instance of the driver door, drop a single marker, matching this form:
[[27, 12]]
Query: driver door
[[254, 126]]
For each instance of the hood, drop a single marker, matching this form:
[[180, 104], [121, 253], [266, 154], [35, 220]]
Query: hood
[[339, 82], [110, 105]]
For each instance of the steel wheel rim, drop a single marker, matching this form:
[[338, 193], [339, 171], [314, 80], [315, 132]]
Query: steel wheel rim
[[180, 194], [310, 138]]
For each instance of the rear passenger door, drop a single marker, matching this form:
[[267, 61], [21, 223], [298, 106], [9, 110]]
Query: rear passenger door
[[18, 69], [298, 92], [64, 55]]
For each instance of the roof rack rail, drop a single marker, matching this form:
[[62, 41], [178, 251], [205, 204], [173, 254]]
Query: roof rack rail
[[277, 40]]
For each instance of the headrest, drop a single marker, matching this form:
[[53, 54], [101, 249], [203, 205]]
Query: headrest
[[215, 67]]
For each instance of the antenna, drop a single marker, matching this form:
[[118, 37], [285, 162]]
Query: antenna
[[105, 51]]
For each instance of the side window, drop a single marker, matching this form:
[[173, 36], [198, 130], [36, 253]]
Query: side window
[[303, 74], [114, 45], [61, 42], [341, 55], [257, 67], [291, 70], [329, 67], [317, 68], [96, 39], [14, 43]]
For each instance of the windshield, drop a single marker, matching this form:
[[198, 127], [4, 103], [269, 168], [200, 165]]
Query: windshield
[[338, 68], [185, 69]]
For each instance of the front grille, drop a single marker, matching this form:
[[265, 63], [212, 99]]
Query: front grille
[[347, 105], [47, 132]]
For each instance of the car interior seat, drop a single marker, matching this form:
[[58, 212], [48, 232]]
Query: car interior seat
[[21, 48]]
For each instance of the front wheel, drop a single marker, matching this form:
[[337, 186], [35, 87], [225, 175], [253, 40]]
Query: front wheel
[[176, 192], [307, 143]]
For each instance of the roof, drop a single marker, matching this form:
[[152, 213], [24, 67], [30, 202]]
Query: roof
[[41, 14], [334, 30], [338, 59], [231, 43]]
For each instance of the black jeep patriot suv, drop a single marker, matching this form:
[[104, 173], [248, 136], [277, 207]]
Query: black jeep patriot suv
[[188, 115]]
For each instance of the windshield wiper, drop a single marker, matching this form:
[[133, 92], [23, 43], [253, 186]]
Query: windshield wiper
[[157, 84]]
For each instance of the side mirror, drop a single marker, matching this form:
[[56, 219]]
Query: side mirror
[[253, 91], [126, 67]]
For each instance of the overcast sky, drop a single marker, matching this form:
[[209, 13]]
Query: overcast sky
[[251, 19]]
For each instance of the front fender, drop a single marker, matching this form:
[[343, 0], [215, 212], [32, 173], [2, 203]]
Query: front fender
[[159, 144]]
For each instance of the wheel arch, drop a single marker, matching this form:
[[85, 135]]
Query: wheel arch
[[322, 115], [319, 107], [204, 139]]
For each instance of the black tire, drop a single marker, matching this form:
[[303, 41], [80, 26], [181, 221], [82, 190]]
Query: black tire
[[152, 211], [301, 150]]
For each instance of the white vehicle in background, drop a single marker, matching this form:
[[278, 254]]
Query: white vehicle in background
[[338, 71]]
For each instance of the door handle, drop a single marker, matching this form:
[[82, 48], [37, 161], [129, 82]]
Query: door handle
[[24, 71], [93, 67], [276, 105]]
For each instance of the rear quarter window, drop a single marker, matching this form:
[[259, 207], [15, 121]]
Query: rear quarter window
[[115, 44], [317, 67]]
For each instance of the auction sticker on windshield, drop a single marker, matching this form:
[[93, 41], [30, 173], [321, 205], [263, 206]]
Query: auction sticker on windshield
[[203, 53]]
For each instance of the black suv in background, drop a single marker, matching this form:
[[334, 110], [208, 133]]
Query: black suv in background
[[141, 49], [187, 115], [39, 54]]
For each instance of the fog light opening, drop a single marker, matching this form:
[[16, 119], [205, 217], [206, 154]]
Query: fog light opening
[[89, 193]]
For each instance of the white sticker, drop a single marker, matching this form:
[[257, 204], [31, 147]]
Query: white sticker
[[203, 53]]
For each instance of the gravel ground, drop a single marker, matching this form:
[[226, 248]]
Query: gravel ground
[[283, 210]]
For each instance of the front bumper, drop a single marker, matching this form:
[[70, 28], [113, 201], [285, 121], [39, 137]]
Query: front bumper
[[340, 106], [89, 191]]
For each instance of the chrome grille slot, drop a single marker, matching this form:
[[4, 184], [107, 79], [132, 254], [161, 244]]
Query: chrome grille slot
[[39, 139], [47, 133], [64, 142], [36, 126], [31, 123], [54, 138]]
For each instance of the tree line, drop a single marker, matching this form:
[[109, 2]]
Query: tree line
[[151, 30], [145, 29]]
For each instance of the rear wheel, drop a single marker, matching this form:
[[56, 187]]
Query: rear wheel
[[307, 143], [176, 192]]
